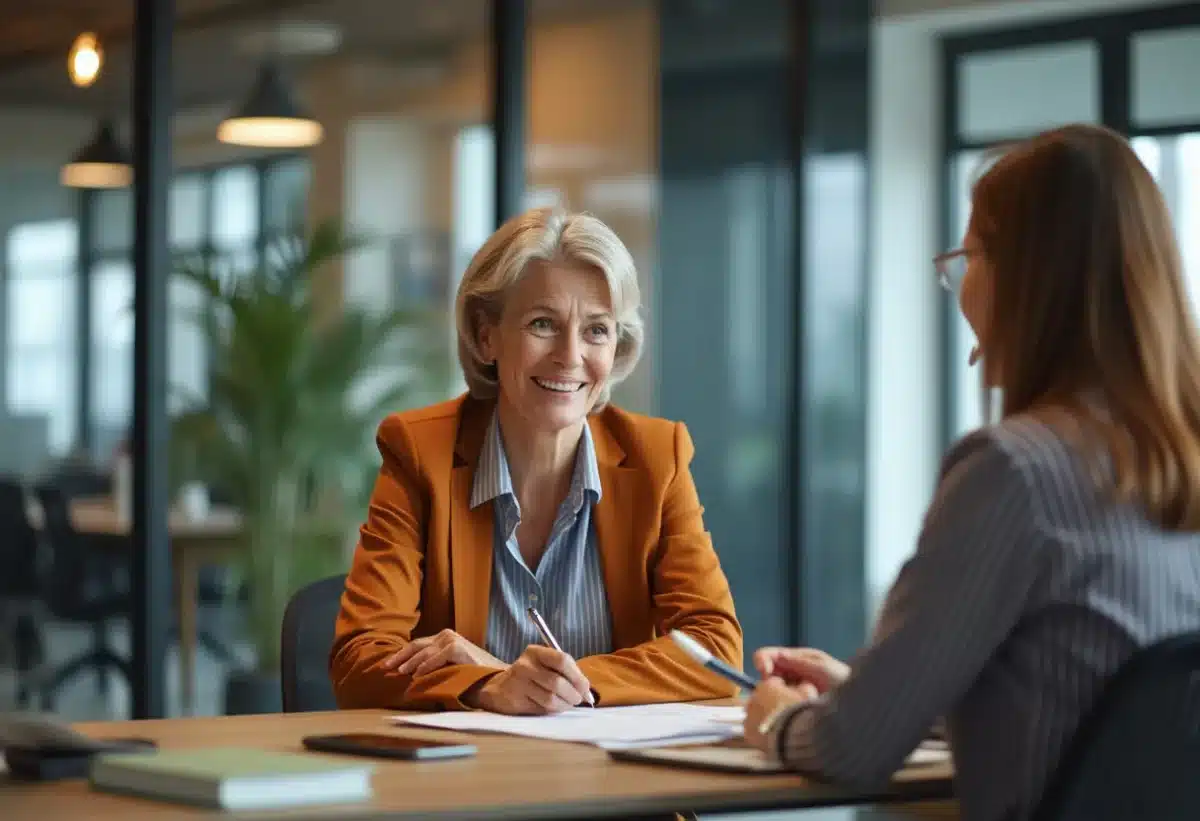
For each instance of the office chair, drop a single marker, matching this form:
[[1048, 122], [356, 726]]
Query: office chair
[[19, 589], [307, 638], [1137, 754], [79, 587]]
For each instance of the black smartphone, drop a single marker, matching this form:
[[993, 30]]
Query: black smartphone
[[378, 745]]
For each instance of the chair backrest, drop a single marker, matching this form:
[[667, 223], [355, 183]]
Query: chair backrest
[[308, 624], [1137, 755], [80, 481], [68, 581], [18, 543]]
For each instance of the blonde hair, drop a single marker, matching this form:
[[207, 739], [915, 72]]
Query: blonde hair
[[547, 235]]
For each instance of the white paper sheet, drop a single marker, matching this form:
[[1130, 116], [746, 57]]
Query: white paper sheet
[[612, 728]]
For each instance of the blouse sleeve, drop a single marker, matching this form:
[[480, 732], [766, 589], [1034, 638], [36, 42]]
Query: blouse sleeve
[[954, 602]]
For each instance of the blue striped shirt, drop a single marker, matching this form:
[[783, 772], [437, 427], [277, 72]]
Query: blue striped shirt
[[568, 585]]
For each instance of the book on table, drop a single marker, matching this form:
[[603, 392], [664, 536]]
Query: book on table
[[234, 778]]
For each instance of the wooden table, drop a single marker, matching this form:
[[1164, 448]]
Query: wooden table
[[510, 778], [195, 542]]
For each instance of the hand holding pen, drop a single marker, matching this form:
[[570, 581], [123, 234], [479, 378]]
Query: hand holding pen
[[543, 680], [548, 637]]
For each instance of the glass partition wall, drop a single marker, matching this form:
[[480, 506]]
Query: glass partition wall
[[724, 141]]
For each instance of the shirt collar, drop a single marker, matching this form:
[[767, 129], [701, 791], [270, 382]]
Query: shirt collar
[[492, 478]]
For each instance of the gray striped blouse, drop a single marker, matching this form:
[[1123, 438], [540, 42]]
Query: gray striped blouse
[[567, 587], [1028, 589]]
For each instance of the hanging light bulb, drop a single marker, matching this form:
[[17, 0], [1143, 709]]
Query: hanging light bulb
[[270, 117], [85, 60]]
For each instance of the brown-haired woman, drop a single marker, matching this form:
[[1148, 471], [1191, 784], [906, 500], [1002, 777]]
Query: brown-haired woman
[[1060, 539]]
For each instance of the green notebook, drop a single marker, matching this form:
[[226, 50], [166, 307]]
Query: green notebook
[[234, 778]]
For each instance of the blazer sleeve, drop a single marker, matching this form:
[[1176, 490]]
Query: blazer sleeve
[[381, 604], [978, 559], [690, 593]]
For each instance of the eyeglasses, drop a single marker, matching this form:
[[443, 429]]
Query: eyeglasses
[[951, 267]]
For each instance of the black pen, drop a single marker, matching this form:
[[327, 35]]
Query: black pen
[[548, 637]]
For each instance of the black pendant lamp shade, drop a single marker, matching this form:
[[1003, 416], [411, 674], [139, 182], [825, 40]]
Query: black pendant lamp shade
[[270, 118], [102, 163]]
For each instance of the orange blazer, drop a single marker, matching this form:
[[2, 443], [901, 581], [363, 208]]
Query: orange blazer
[[424, 563]]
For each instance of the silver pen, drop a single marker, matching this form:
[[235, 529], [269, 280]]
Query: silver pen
[[548, 637]]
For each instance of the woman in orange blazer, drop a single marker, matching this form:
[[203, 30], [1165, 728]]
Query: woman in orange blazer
[[532, 492]]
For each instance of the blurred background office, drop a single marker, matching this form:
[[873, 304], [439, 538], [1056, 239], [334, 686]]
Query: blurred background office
[[783, 173]]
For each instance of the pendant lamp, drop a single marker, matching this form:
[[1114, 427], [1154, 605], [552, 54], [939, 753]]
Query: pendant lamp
[[270, 117], [102, 163]]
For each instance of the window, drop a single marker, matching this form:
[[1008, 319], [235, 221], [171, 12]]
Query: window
[[41, 262], [1174, 160], [286, 193], [1175, 163], [993, 107], [1123, 70], [112, 348], [994, 102], [968, 399], [189, 222], [1160, 62], [1187, 211], [211, 212], [234, 208]]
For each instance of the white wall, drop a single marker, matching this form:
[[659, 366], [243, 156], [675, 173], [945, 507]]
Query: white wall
[[902, 361]]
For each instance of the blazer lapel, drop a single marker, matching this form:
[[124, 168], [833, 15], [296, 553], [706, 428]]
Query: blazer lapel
[[622, 561], [471, 531]]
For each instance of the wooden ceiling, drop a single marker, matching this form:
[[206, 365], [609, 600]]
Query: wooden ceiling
[[212, 65], [35, 36], [33, 30]]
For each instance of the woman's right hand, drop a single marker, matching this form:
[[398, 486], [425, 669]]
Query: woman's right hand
[[801, 665], [543, 680]]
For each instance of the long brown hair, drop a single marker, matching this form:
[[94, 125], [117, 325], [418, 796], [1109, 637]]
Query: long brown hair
[[1088, 299]]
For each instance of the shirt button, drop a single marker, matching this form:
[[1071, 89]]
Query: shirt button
[[533, 598]]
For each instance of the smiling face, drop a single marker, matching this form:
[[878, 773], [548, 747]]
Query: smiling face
[[553, 345]]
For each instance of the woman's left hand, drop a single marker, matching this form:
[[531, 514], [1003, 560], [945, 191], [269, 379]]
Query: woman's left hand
[[424, 655], [769, 696]]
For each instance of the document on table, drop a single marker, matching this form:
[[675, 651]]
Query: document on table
[[611, 728]]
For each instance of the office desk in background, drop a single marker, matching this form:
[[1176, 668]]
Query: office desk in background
[[510, 779], [211, 539]]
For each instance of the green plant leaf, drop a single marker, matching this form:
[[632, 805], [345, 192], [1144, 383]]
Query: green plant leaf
[[294, 399]]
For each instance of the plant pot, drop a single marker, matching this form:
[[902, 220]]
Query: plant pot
[[248, 692]]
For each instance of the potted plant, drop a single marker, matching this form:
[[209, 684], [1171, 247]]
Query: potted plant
[[287, 427]]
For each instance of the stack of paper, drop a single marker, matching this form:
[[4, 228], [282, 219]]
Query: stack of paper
[[611, 728]]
